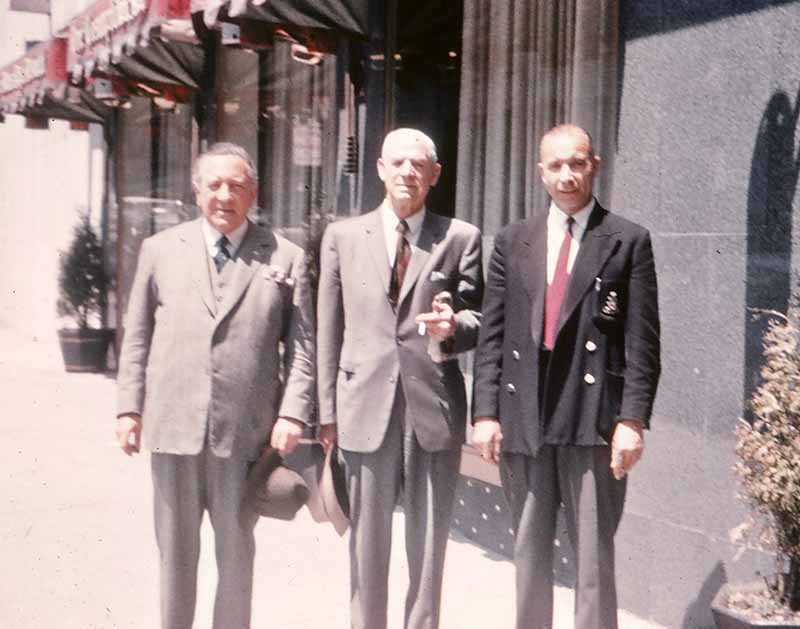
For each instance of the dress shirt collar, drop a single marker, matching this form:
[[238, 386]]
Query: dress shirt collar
[[390, 221], [414, 222], [557, 219], [211, 236]]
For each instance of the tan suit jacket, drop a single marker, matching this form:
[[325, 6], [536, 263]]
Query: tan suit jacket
[[192, 366]]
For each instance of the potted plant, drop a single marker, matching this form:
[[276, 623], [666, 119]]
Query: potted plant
[[768, 469], [82, 284]]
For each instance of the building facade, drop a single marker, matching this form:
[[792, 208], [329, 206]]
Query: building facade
[[692, 106]]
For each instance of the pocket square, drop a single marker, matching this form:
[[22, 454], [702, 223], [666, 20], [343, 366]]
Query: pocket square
[[437, 276]]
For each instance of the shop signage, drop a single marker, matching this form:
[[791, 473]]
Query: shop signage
[[105, 19], [43, 67]]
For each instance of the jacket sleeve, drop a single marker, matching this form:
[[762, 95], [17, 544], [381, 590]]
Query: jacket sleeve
[[139, 322], [298, 342], [330, 331], [489, 353], [642, 336], [467, 301]]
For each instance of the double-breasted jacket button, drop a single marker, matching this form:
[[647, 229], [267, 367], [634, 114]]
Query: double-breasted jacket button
[[515, 355], [590, 346], [589, 379], [511, 388]]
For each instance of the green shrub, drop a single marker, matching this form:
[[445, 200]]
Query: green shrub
[[82, 280], [768, 452]]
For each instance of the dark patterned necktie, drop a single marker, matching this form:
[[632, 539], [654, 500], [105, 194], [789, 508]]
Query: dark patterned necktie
[[401, 257], [556, 290], [223, 255]]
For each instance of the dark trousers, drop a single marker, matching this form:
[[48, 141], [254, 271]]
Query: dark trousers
[[535, 487]]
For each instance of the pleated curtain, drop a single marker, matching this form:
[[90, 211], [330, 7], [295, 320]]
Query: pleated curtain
[[527, 66]]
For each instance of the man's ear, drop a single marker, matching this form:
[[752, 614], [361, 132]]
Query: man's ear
[[381, 170], [541, 171], [437, 172]]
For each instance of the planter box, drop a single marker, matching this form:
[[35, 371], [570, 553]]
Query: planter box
[[85, 350], [726, 618]]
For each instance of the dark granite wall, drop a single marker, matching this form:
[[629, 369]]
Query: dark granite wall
[[708, 160]]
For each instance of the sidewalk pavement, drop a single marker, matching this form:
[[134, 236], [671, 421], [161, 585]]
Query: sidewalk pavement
[[76, 533]]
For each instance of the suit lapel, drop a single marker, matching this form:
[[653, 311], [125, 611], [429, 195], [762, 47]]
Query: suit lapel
[[532, 260], [198, 263], [376, 244], [253, 252], [594, 251], [430, 235]]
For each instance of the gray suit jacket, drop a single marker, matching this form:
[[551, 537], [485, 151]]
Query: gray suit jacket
[[364, 347], [189, 365]]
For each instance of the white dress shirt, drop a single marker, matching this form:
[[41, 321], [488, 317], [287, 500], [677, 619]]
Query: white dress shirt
[[557, 228], [390, 222], [212, 236]]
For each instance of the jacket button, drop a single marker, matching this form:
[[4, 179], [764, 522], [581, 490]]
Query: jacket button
[[590, 346], [515, 355], [511, 388], [391, 379], [589, 378]]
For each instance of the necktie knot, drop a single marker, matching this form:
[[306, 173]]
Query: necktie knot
[[402, 227], [570, 223], [223, 253]]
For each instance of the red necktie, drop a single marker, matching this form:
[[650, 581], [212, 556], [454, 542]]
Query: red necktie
[[401, 257], [556, 290]]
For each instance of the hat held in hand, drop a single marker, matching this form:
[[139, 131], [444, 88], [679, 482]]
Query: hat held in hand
[[333, 491], [274, 490]]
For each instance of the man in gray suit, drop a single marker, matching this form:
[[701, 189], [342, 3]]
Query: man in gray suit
[[199, 378], [390, 386]]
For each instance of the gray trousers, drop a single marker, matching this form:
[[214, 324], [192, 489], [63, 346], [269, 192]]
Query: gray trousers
[[376, 480], [593, 500], [183, 488]]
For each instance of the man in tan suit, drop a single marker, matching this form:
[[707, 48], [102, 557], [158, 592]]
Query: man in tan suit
[[199, 378], [389, 379]]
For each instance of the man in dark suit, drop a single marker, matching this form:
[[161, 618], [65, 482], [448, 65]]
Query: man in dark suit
[[199, 375], [565, 377], [388, 375]]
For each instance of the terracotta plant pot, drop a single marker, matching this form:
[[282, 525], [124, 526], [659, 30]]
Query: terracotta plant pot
[[85, 350], [727, 618]]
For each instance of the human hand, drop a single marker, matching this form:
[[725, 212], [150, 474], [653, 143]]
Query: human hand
[[487, 437], [286, 435], [129, 431], [440, 323], [627, 446], [327, 436]]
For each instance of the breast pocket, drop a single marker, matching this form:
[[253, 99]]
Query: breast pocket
[[610, 304]]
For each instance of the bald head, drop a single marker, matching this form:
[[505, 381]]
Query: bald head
[[571, 131], [408, 168]]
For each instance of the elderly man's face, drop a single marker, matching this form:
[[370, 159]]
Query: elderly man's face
[[407, 172], [567, 169], [224, 191]]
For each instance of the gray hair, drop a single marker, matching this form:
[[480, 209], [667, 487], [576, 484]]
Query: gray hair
[[430, 147], [225, 148]]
